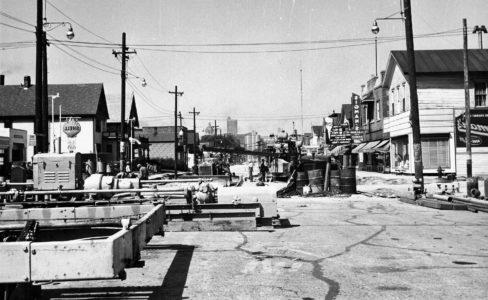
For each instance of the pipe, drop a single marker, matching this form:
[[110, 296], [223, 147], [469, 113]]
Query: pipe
[[115, 191], [460, 199], [175, 180]]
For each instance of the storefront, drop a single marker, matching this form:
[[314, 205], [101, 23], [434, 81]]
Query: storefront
[[373, 156]]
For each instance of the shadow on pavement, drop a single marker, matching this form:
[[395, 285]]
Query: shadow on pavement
[[172, 287]]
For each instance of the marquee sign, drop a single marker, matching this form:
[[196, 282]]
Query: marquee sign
[[479, 128]]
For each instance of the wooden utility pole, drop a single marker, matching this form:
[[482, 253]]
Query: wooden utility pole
[[176, 93], [215, 132], [38, 89], [467, 113], [123, 75], [414, 102], [195, 159], [45, 100]]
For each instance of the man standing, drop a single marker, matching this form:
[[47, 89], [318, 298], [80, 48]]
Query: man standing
[[250, 167], [263, 169]]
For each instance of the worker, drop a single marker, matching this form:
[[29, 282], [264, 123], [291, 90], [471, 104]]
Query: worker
[[250, 167], [143, 173], [127, 169], [263, 169], [205, 192]]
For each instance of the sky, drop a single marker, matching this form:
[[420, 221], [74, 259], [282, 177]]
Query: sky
[[262, 89]]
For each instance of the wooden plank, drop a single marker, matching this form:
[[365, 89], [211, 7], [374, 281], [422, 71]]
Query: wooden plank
[[213, 225], [14, 262]]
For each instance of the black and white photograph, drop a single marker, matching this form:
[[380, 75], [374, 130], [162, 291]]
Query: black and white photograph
[[243, 149]]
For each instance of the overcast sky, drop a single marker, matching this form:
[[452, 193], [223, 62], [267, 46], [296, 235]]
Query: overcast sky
[[261, 90]]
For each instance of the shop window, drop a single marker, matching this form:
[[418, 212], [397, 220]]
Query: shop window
[[480, 94], [435, 153]]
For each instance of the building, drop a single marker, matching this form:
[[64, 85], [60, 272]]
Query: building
[[83, 102], [111, 136], [440, 86], [373, 154], [161, 141], [231, 126], [13, 148]]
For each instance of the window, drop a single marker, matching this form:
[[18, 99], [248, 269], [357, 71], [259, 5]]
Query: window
[[480, 94], [403, 105], [393, 109], [435, 153], [109, 148], [98, 125]]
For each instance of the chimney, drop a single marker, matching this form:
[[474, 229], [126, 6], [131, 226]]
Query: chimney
[[2, 79], [382, 73], [362, 89], [27, 82]]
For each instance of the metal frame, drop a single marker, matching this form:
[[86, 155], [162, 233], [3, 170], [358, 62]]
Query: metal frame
[[79, 259]]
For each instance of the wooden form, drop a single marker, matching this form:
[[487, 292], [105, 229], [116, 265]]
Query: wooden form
[[80, 259]]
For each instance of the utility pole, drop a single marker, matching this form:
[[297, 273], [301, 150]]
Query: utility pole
[[195, 159], [467, 113], [414, 102], [123, 75], [45, 108], [301, 101], [38, 89], [182, 137], [215, 132], [176, 93]]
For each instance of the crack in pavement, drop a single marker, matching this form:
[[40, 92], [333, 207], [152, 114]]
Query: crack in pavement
[[362, 242], [317, 272]]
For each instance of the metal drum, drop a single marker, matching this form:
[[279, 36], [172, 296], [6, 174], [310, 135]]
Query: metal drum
[[471, 186], [302, 181], [316, 180], [335, 181], [348, 180]]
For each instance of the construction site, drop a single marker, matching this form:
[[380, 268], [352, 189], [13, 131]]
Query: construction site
[[243, 150]]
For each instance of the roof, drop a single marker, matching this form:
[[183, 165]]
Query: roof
[[159, 133], [443, 61], [114, 107], [76, 100]]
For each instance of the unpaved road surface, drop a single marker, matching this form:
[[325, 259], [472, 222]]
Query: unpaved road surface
[[336, 248]]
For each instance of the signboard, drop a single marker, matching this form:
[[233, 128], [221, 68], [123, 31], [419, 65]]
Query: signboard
[[356, 132], [340, 135], [479, 128], [71, 127], [32, 140]]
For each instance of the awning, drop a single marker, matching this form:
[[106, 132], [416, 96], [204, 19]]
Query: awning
[[367, 147], [338, 150], [383, 146], [358, 148]]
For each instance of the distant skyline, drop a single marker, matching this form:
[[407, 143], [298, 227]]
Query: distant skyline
[[260, 90]]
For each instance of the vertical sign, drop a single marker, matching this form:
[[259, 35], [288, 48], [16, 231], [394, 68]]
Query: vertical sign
[[356, 132]]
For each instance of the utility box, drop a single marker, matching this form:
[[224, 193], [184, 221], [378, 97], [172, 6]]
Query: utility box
[[52, 171]]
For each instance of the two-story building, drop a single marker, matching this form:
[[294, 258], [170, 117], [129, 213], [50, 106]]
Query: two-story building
[[441, 98], [83, 102], [373, 153]]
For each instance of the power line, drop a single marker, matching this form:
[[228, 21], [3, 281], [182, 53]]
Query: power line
[[84, 62], [15, 27], [149, 73], [15, 19], [148, 100], [81, 26]]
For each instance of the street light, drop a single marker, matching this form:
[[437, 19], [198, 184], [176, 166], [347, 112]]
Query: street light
[[48, 26], [480, 30]]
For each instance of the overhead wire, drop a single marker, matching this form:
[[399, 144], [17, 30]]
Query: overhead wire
[[16, 19], [15, 27]]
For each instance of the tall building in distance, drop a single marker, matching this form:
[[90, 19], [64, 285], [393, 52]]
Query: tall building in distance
[[231, 126]]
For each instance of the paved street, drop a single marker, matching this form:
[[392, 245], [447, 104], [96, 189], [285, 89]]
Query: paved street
[[355, 247]]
